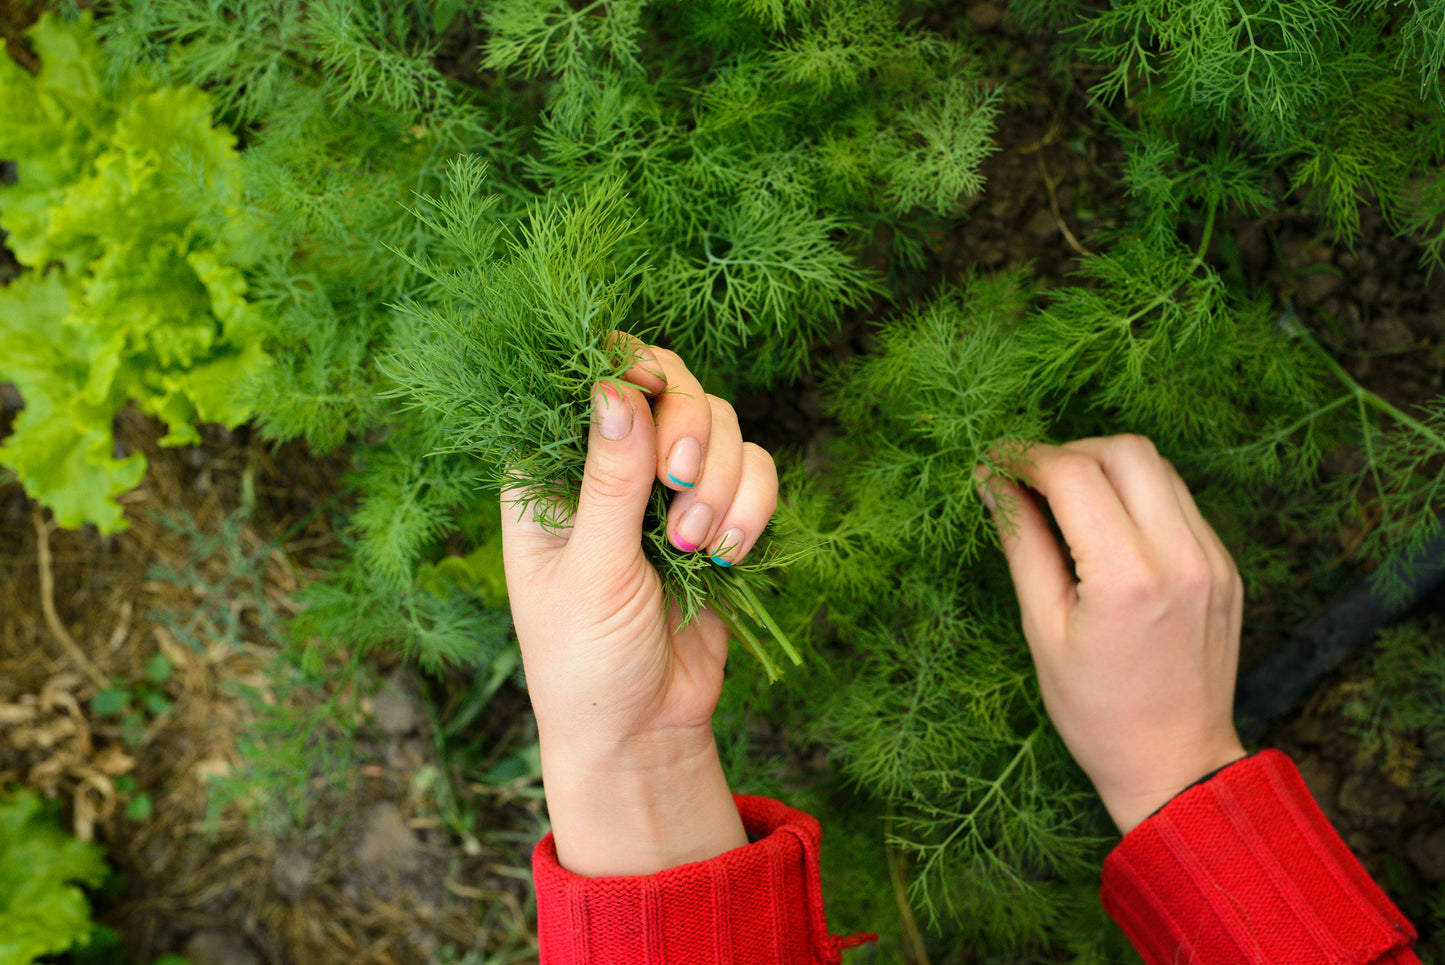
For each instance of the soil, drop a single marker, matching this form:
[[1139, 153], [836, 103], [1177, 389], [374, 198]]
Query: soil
[[387, 873], [379, 875]]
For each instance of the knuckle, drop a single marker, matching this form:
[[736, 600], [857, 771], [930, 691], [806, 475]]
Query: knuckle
[[1137, 446], [1233, 589], [755, 454], [608, 483], [1193, 571], [1138, 588], [722, 407], [769, 504], [1137, 581], [1074, 470], [667, 356]]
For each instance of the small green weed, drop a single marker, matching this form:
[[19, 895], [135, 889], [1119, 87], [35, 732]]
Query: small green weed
[[136, 705], [1398, 712]]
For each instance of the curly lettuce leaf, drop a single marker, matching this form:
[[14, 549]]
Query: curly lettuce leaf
[[61, 446], [42, 908], [127, 209]]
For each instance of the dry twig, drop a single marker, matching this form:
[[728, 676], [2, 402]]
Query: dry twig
[[1058, 216], [47, 605]]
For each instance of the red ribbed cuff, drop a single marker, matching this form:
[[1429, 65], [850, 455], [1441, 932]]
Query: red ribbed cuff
[[761, 904], [1246, 868]]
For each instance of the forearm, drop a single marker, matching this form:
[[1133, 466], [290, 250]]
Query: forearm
[[640, 808]]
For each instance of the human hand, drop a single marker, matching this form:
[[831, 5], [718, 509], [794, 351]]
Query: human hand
[[623, 695], [1137, 649]]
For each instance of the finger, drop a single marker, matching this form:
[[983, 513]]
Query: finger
[[684, 424], [646, 370], [754, 503], [1099, 532], [1037, 565], [1144, 483], [617, 478], [694, 517]]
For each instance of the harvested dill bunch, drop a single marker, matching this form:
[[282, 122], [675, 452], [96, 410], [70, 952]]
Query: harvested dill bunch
[[506, 342]]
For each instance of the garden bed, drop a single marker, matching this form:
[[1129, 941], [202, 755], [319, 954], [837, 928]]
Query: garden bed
[[267, 797]]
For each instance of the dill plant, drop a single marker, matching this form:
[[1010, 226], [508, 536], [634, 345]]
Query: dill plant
[[345, 117], [1341, 99], [1341, 104], [761, 146]]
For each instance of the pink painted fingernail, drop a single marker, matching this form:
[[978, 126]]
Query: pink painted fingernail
[[691, 529]]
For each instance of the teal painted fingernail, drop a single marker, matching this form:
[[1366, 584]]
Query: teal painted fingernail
[[684, 462], [727, 547]]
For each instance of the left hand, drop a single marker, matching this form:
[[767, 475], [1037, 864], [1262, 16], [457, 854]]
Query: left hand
[[623, 694], [1133, 622]]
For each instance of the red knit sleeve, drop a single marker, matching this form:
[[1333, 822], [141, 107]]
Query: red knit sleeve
[[761, 904], [1246, 868]]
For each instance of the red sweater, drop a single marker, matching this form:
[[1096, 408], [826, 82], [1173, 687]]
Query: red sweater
[[1241, 868]]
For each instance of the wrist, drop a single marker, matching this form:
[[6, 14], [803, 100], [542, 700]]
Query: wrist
[[640, 806], [1130, 808]]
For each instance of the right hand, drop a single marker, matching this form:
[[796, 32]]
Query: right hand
[[622, 690], [1137, 649]]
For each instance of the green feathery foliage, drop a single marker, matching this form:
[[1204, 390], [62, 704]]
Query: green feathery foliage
[[506, 346], [714, 175], [253, 55], [1343, 99], [756, 158], [346, 115], [939, 716], [760, 146], [347, 118]]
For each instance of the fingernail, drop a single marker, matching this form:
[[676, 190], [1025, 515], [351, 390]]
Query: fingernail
[[612, 415], [731, 541], [685, 462], [692, 529]]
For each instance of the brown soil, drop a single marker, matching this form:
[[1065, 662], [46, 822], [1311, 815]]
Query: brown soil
[[378, 876]]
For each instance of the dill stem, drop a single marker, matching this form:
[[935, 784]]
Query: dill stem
[[1357, 390], [1208, 234], [757, 611], [896, 878], [738, 628]]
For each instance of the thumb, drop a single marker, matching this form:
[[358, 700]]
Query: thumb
[[1037, 566], [621, 468]]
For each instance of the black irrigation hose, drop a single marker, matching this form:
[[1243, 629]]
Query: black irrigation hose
[[1275, 683]]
